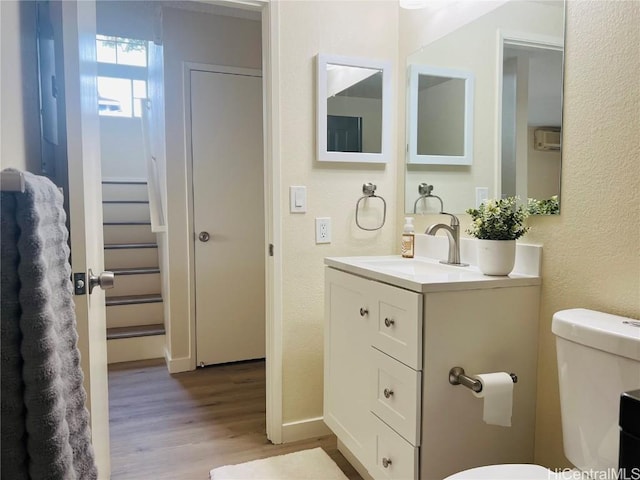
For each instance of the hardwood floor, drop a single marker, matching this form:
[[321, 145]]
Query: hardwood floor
[[181, 426]]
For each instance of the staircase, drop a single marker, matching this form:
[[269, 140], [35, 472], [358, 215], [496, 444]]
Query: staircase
[[135, 318]]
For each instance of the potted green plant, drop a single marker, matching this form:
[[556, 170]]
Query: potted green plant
[[497, 224]]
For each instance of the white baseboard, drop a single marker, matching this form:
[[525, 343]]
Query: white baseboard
[[135, 348], [177, 365], [304, 429]]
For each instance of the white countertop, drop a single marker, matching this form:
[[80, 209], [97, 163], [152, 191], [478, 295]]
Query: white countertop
[[424, 274]]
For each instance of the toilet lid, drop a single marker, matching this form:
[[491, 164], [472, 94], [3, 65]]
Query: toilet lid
[[513, 471]]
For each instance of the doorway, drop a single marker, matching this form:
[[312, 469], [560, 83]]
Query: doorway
[[531, 101], [228, 214]]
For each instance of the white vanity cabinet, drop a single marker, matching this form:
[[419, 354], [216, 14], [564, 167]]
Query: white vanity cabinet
[[389, 346], [361, 381]]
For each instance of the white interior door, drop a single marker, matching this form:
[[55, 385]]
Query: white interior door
[[228, 215], [85, 204]]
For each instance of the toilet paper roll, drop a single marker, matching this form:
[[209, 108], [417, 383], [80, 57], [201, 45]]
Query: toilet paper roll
[[497, 391]]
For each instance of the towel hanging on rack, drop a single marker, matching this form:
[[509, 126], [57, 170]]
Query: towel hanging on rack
[[45, 425]]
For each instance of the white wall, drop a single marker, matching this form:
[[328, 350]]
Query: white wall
[[126, 18], [20, 134], [360, 29], [441, 110], [122, 148], [592, 249]]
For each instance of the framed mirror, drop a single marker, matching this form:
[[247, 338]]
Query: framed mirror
[[354, 109], [514, 50], [440, 116]]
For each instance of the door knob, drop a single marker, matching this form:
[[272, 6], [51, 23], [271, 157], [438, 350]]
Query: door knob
[[204, 236], [105, 280]]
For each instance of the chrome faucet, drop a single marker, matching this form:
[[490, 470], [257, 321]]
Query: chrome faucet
[[453, 233]]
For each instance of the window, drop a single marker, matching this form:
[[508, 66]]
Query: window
[[121, 51], [122, 73]]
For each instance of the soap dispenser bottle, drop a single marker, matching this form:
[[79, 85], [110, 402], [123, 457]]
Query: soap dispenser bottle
[[408, 238]]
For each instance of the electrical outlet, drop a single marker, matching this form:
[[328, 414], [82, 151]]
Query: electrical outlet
[[482, 195], [323, 230]]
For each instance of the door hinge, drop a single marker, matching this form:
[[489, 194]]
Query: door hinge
[[271, 249], [80, 283]]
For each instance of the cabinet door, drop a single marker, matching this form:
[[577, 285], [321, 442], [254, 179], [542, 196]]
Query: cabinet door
[[347, 379]]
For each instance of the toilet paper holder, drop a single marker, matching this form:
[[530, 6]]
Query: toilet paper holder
[[458, 377]]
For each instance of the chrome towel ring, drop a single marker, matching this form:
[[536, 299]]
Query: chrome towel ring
[[369, 191], [425, 192]]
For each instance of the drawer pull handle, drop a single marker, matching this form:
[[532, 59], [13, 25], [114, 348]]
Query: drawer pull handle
[[389, 321], [363, 312], [386, 462], [388, 393]]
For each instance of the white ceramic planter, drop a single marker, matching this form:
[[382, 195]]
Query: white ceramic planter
[[496, 257]]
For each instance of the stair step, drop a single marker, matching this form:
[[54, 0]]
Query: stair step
[[126, 212], [124, 182], [128, 234], [124, 191], [133, 299], [121, 246], [135, 270], [122, 257], [141, 283], [127, 314], [105, 224], [135, 331], [135, 348]]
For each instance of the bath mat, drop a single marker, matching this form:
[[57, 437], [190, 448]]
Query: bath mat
[[312, 464]]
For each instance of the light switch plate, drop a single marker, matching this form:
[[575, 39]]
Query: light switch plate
[[323, 230], [297, 199], [482, 195]]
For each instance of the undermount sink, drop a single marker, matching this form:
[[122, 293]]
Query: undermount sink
[[412, 266]]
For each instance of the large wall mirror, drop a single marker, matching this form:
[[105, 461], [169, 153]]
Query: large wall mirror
[[514, 53], [354, 109]]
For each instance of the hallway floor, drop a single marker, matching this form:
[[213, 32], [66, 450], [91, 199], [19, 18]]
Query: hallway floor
[[181, 426]]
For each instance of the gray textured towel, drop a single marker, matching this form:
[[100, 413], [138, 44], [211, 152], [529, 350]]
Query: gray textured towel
[[12, 421], [57, 423]]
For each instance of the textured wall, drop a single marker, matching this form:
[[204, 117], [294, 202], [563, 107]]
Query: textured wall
[[363, 29], [591, 253]]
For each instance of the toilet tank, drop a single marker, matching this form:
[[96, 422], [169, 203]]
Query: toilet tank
[[598, 359]]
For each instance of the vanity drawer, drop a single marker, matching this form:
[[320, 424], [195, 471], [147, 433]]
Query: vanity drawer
[[395, 458], [397, 324], [397, 390]]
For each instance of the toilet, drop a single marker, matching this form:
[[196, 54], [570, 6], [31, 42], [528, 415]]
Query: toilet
[[598, 360]]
